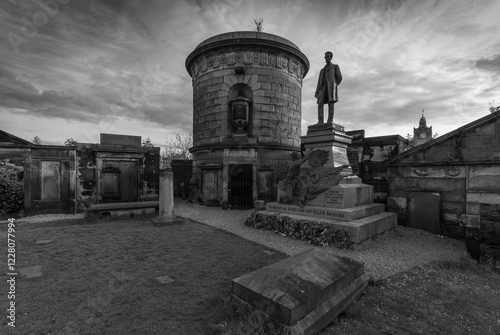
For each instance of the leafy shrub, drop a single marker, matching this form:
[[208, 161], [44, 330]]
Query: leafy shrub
[[316, 233], [11, 188]]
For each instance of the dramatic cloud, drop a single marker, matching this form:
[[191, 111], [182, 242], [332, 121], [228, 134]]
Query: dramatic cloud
[[491, 64], [77, 68]]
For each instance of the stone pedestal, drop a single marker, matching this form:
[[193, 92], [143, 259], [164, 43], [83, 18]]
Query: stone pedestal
[[166, 203], [304, 292], [346, 204], [330, 138]]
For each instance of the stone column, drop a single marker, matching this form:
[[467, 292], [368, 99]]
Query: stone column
[[166, 203], [166, 193]]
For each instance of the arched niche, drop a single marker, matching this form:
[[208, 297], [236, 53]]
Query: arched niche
[[245, 91]]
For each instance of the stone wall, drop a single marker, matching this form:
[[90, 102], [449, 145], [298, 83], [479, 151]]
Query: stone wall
[[455, 175], [405, 182], [139, 169], [490, 225]]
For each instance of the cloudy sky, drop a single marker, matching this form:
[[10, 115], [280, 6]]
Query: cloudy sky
[[76, 68]]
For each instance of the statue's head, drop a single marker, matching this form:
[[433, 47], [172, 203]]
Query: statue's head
[[328, 56]]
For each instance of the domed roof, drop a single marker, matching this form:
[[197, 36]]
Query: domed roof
[[247, 39], [236, 35]]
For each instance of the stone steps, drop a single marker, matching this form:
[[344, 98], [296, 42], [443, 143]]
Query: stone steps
[[341, 214], [359, 230]]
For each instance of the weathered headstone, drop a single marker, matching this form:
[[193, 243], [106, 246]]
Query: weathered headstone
[[304, 292], [166, 203]]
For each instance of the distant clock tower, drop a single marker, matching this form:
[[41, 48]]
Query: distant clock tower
[[423, 133]]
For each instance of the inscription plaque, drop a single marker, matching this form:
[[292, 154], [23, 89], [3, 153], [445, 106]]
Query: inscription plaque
[[334, 197]]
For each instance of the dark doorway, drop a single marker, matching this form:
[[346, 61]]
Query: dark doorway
[[120, 181], [424, 211], [240, 186]]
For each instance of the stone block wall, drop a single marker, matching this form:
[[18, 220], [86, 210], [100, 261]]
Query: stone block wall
[[462, 170], [275, 111], [448, 183], [88, 162]]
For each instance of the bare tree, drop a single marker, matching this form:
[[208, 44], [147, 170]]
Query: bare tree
[[70, 142], [258, 24], [37, 140], [147, 143], [178, 147], [492, 108]]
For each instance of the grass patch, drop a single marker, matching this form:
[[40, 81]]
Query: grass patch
[[100, 278], [441, 298]]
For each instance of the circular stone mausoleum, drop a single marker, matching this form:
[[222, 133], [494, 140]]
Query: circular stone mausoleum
[[247, 89]]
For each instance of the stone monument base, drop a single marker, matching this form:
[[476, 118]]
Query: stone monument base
[[304, 292], [346, 206], [359, 230]]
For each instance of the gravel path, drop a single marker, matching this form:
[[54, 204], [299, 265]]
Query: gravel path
[[385, 255]]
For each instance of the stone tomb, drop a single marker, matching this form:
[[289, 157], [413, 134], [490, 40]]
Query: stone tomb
[[304, 292]]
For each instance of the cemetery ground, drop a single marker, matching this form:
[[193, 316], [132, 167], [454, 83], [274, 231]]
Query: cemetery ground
[[125, 276]]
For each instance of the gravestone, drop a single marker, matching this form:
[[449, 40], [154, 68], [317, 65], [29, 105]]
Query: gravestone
[[304, 292]]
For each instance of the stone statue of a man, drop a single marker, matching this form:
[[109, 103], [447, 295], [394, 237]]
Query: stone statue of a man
[[326, 91]]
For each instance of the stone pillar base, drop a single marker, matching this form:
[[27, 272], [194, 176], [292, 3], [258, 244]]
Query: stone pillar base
[[328, 144]]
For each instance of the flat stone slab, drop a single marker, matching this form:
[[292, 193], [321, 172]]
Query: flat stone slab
[[359, 230], [165, 279], [43, 241], [123, 205], [305, 291], [342, 214], [31, 271], [164, 221]]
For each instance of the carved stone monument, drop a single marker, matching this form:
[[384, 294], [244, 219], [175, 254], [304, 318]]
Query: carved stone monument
[[320, 187]]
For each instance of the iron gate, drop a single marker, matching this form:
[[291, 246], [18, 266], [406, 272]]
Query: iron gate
[[240, 185]]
